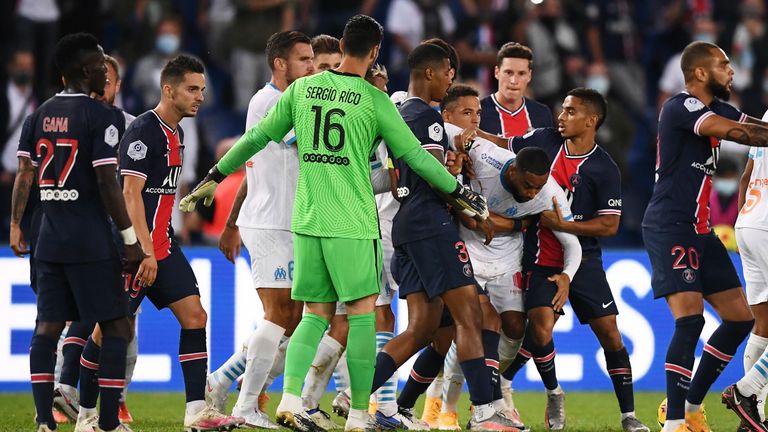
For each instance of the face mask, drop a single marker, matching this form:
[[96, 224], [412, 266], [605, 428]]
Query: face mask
[[725, 187], [599, 82], [167, 43], [21, 78], [704, 37]]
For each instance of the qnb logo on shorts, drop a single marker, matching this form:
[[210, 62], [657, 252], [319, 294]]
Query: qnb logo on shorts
[[325, 159], [403, 192], [280, 274], [59, 195]]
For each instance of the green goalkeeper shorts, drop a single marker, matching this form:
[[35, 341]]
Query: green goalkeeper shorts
[[331, 269]]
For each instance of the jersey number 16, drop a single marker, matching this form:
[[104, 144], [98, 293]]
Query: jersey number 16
[[329, 126]]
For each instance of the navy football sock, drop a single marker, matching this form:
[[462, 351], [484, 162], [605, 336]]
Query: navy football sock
[[42, 361], [544, 358], [522, 357], [385, 368], [111, 380], [620, 371], [478, 376], [426, 367], [89, 374], [74, 342], [491, 349], [679, 362], [193, 356], [718, 351]]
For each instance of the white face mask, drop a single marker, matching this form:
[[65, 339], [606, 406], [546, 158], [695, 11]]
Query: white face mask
[[725, 186], [599, 82], [167, 43]]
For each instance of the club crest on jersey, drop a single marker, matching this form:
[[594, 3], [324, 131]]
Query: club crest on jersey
[[137, 150], [110, 136], [575, 179], [435, 131], [467, 270], [689, 276], [693, 104]]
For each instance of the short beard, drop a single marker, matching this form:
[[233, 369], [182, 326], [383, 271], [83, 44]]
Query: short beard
[[718, 90]]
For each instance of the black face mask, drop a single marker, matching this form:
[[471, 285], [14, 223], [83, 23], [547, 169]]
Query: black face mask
[[21, 78]]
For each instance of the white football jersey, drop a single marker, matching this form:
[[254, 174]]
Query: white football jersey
[[271, 174], [754, 213], [385, 202]]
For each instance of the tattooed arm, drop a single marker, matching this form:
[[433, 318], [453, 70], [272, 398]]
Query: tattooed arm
[[25, 176], [749, 133]]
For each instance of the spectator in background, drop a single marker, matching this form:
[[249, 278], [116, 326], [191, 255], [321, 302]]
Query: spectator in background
[[745, 55], [37, 31], [330, 16], [327, 52], [723, 201], [20, 102], [255, 22]]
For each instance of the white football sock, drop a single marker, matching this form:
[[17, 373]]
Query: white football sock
[[262, 348], [328, 354], [278, 367], [385, 395], [453, 381]]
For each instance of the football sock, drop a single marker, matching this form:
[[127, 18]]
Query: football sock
[[508, 349], [231, 369], [479, 381], [385, 368], [754, 349], [491, 349], [544, 358], [754, 381], [361, 354], [341, 373], [328, 353], [620, 371], [453, 381], [301, 350], [112, 380], [385, 395], [89, 374], [132, 354], [72, 349], [278, 367], [262, 348], [679, 362], [522, 357], [59, 356], [42, 361], [193, 356], [424, 370], [718, 352], [435, 390]]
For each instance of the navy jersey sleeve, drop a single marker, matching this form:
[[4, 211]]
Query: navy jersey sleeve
[[430, 131], [729, 111], [134, 153], [534, 138], [686, 113], [105, 136], [26, 147], [609, 190]]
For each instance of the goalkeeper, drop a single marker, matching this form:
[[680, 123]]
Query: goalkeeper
[[338, 118]]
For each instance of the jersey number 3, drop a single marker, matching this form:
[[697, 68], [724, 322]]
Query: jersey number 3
[[47, 173], [330, 127]]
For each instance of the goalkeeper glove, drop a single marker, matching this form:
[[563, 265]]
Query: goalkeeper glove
[[470, 202], [205, 190]]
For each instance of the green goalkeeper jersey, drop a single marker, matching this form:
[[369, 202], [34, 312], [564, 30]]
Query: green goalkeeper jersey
[[338, 120]]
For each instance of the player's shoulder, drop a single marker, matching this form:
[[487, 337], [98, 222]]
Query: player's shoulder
[[683, 102], [536, 107], [487, 102], [147, 127], [264, 99], [604, 161], [543, 136]]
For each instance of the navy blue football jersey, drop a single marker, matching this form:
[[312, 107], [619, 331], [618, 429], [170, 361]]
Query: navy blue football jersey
[[592, 183], [685, 162], [30, 220], [498, 120], [153, 151], [71, 134], [422, 213]]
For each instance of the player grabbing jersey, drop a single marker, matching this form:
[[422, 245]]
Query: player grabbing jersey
[[72, 144], [337, 117], [689, 263]]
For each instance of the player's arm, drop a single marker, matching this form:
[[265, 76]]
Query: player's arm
[[749, 133], [22, 185], [134, 204], [744, 181], [757, 121], [229, 242], [571, 263], [600, 226], [499, 141]]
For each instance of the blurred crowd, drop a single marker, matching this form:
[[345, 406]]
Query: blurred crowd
[[628, 50]]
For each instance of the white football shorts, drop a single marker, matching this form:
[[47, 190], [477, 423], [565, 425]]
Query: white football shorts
[[271, 257], [753, 248], [502, 288]]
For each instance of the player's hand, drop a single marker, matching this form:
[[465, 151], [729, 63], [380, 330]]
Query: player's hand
[[132, 258], [563, 283], [229, 242], [486, 227], [462, 140], [470, 202], [553, 219], [19, 246], [147, 272], [204, 190]]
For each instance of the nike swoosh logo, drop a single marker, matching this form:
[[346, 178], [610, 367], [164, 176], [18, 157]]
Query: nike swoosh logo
[[605, 305]]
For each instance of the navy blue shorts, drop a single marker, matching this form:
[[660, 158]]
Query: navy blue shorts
[[433, 265], [175, 280], [590, 295], [682, 260], [87, 292], [539, 291]]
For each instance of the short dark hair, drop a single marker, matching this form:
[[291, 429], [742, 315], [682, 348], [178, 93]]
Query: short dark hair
[[455, 92], [173, 72], [533, 160], [114, 63], [70, 51], [281, 43], [361, 34], [453, 56], [426, 55], [325, 44], [514, 50], [695, 55], [594, 100]]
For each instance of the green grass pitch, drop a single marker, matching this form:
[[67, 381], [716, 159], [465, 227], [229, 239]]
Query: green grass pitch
[[586, 411]]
